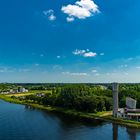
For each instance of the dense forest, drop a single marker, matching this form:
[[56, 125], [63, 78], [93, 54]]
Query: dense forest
[[88, 97], [79, 97]]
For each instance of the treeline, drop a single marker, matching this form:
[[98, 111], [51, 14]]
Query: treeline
[[5, 87], [78, 97], [84, 97]]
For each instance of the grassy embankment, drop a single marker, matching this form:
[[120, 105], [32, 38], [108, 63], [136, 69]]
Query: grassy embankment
[[106, 116]]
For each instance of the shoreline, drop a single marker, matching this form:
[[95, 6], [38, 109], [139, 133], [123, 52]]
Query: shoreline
[[77, 114]]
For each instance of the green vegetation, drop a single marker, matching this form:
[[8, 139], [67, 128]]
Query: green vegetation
[[106, 115], [33, 92], [81, 100], [78, 97], [131, 90]]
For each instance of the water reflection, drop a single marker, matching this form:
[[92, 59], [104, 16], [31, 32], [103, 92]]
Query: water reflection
[[68, 124], [115, 131], [25, 122], [133, 133], [29, 107], [69, 120]]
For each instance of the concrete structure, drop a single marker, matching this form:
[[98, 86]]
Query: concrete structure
[[21, 89], [131, 103], [115, 88], [130, 112], [121, 113]]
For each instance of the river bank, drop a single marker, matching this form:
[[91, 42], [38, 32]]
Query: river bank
[[104, 116]]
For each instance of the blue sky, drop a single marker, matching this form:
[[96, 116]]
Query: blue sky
[[69, 41]]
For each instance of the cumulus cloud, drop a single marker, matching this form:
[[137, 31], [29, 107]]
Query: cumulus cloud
[[90, 54], [85, 53], [75, 73], [79, 52], [89, 5], [76, 11], [81, 9], [50, 14]]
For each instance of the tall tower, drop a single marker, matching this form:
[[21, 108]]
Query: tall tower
[[115, 88]]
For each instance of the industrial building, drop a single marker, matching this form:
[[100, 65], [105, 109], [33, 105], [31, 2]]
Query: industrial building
[[130, 111], [22, 89]]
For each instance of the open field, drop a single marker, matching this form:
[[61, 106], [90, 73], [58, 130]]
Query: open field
[[105, 113], [29, 93], [20, 94]]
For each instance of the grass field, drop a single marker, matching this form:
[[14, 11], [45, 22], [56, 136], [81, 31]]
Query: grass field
[[29, 93]]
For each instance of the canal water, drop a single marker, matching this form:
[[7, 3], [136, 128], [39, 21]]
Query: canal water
[[19, 122]]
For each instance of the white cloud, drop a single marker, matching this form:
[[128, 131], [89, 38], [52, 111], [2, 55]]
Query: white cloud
[[79, 52], [50, 14], [52, 17], [89, 5], [84, 53], [90, 54], [76, 11], [70, 19], [94, 71], [75, 73], [81, 9]]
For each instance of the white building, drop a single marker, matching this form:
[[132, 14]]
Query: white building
[[21, 89], [131, 103]]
